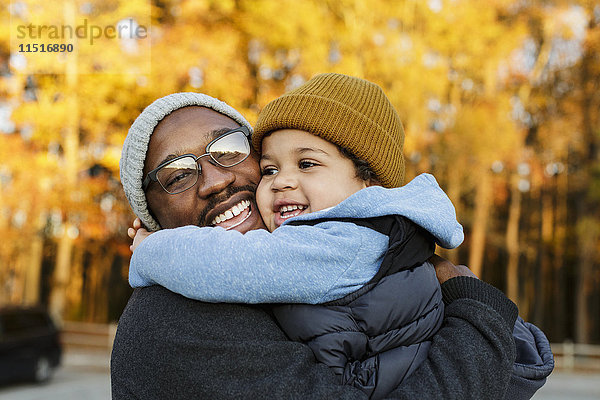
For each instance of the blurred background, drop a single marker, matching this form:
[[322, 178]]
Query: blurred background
[[500, 100]]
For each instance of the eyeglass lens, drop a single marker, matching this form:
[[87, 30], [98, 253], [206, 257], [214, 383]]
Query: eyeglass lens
[[182, 173], [178, 175]]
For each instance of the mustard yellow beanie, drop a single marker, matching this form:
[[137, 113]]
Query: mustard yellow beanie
[[344, 110]]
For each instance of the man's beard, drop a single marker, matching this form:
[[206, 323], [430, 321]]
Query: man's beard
[[222, 197]]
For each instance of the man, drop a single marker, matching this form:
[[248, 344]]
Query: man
[[168, 346]]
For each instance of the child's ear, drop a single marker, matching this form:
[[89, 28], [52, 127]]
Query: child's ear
[[373, 182]]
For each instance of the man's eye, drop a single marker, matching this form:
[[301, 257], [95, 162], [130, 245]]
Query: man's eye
[[224, 156], [268, 171], [304, 164], [178, 177]]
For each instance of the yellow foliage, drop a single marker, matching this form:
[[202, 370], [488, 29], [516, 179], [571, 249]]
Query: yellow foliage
[[468, 78]]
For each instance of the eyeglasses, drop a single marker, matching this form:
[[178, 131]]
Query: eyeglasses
[[181, 173]]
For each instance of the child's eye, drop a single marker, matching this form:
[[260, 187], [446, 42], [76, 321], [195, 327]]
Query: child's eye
[[304, 164], [268, 171]]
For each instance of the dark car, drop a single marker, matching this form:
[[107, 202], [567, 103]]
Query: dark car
[[29, 345]]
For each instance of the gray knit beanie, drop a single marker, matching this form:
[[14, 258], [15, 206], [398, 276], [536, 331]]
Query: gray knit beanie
[[138, 138]]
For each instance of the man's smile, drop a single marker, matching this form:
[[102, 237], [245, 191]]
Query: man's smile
[[234, 210], [234, 216]]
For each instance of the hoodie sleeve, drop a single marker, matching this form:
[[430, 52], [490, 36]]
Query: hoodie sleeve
[[294, 264], [533, 364]]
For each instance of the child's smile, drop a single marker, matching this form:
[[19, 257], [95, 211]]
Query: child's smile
[[284, 209]]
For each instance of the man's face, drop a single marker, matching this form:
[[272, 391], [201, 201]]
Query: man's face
[[210, 202]]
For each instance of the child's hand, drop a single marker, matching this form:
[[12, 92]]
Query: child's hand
[[137, 233], [137, 224]]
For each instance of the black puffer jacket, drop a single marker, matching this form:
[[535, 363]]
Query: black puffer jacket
[[375, 337]]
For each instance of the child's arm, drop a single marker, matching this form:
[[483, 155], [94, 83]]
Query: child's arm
[[301, 264]]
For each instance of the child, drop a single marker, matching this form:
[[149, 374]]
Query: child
[[337, 236]]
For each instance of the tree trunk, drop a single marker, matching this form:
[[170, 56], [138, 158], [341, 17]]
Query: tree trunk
[[587, 207], [104, 268], [587, 243], [62, 272], [454, 193], [34, 270], [479, 226], [18, 273], [74, 288], [558, 307], [71, 146], [97, 277], [512, 241], [545, 248]]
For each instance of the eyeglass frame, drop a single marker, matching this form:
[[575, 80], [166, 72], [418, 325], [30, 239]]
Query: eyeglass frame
[[152, 175]]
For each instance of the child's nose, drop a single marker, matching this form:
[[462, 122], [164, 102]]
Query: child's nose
[[284, 181]]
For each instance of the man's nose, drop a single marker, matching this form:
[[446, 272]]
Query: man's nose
[[213, 178]]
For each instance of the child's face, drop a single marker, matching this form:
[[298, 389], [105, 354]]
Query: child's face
[[301, 173]]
